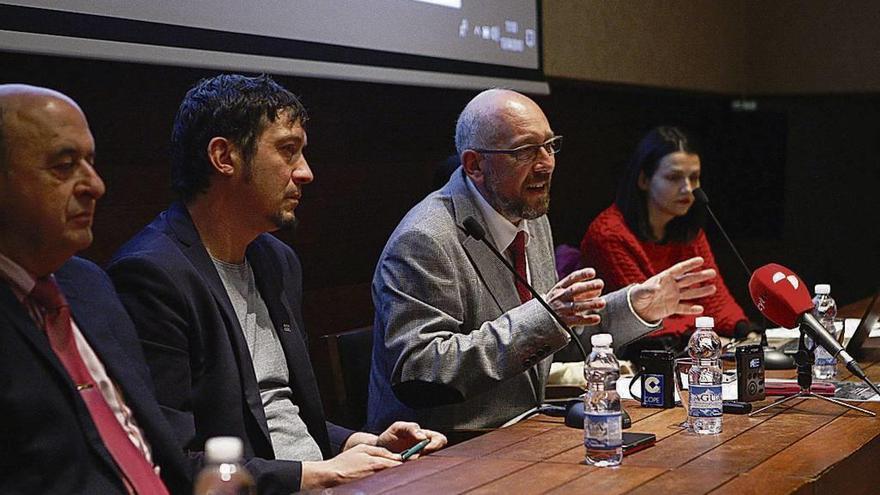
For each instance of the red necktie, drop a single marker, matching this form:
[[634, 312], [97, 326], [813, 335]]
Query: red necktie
[[518, 253], [128, 457]]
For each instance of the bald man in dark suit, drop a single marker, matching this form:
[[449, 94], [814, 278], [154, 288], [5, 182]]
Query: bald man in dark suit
[[78, 406]]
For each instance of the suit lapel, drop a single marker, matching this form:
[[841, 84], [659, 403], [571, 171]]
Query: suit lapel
[[21, 321], [195, 251], [543, 271], [497, 278], [541, 265], [492, 272]]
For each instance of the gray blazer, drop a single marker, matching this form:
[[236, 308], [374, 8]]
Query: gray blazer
[[453, 346]]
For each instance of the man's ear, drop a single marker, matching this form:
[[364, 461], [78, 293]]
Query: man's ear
[[472, 163], [642, 181], [223, 155]]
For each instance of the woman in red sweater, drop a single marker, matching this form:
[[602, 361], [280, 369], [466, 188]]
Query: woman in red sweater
[[653, 225]]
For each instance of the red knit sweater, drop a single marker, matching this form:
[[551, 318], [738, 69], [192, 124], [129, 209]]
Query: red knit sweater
[[620, 259]]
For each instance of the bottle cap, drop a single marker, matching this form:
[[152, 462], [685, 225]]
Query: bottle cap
[[223, 449], [601, 340], [705, 322], [822, 289]]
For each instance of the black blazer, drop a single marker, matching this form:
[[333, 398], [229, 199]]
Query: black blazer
[[196, 350], [48, 442]]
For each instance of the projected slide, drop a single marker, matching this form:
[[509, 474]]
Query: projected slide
[[497, 32]]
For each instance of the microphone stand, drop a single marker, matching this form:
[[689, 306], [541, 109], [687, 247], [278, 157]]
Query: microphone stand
[[804, 360], [774, 359]]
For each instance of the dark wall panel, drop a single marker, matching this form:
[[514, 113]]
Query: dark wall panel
[[374, 149]]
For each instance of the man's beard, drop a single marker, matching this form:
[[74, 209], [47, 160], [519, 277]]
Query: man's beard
[[515, 207], [281, 220], [285, 222]]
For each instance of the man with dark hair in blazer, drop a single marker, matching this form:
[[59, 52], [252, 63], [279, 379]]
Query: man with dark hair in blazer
[[79, 413], [217, 298], [457, 343]]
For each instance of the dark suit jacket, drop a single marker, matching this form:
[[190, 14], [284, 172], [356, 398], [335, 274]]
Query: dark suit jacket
[[48, 442], [196, 350]]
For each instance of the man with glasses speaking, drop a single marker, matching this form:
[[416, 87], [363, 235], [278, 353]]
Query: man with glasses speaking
[[458, 342]]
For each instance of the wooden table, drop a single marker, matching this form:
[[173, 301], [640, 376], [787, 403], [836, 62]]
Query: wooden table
[[810, 447]]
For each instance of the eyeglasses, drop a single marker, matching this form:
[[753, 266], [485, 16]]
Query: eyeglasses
[[527, 153]]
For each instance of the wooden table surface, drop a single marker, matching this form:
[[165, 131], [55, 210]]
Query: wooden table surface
[[809, 447]]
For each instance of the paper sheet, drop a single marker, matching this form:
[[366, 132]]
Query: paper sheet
[[849, 328]]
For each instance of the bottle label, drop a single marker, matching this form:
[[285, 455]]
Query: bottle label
[[652, 390], [705, 401], [602, 431], [823, 358]]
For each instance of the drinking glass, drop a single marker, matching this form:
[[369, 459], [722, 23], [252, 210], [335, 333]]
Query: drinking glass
[[683, 367]]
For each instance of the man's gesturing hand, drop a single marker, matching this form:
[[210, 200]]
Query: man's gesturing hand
[[671, 291], [576, 297]]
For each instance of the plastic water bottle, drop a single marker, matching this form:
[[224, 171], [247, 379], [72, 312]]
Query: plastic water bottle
[[704, 379], [825, 310], [224, 474], [602, 422]]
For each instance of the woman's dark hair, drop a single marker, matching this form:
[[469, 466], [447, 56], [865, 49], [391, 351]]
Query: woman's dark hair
[[632, 201], [232, 106]]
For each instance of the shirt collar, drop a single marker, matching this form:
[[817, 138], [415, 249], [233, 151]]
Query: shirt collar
[[501, 229], [21, 282]]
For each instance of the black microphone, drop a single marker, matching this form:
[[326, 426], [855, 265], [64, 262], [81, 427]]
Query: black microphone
[[701, 198], [475, 230]]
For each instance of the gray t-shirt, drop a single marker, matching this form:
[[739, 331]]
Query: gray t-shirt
[[290, 437]]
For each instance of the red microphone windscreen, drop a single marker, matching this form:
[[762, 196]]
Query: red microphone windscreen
[[779, 294]]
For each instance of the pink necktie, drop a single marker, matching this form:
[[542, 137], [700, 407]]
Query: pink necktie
[[128, 457]]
